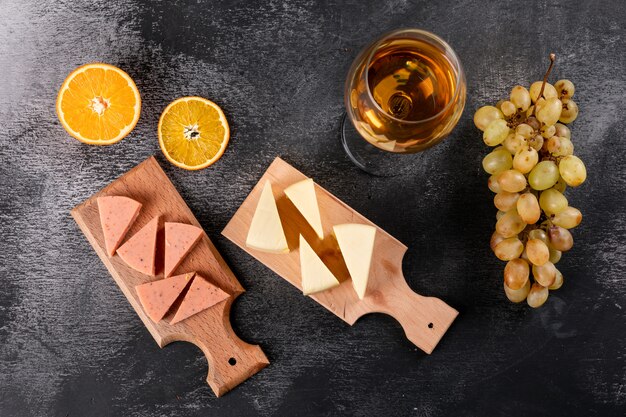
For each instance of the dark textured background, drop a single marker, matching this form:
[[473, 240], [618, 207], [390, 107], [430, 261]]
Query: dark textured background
[[70, 344]]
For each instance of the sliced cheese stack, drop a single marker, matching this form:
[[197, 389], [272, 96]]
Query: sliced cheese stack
[[316, 276], [356, 242], [302, 195], [266, 231], [139, 251], [117, 215]]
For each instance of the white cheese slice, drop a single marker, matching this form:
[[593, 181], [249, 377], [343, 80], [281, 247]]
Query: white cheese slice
[[302, 195], [316, 276], [266, 231], [356, 242]]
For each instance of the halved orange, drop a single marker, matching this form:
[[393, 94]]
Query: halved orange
[[98, 104], [193, 132]]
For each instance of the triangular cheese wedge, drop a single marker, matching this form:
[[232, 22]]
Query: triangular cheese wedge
[[139, 251], [266, 231], [302, 195], [180, 238], [117, 214], [201, 295], [157, 297], [356, 242], [316, 276]]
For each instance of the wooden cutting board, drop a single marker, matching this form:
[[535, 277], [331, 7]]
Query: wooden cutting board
[[231, 360], [424, 319]]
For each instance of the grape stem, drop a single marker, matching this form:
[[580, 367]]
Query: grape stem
[[545, 80]]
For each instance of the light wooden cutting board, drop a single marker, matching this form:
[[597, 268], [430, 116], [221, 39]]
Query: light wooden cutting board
[[231, 360], [424, 319]]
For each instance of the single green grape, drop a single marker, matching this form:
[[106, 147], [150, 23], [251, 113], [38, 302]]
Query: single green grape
[[495, 239], [547, 131], [553, 144], [537, 295], [568, 218], [550, 111], [528, 208], [486, 115], [512, 181], [544, 274], [510, 225], [573, 170], [497, 161], [544, 175], [536, 142], [533, 123], [507, 108], [508, 249], [525, 159], [538, 234], [565, 89], [517, 296], [562, 131], [496, 132], [552, 201], [525, 130], [569, 112], [560, 238], [520, 97], [566, 147], [505, 200], [548, 92], [558, 281], [555, 255], [514, 142], [537, 251], [493, 185], [516, 273]]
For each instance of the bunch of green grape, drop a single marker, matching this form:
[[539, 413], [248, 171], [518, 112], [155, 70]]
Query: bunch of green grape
[[531, 166]]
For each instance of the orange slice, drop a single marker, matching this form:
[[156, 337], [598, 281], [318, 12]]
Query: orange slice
[[193, 132], [98, 104]]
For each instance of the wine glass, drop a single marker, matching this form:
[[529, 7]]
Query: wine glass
[[404, 93]]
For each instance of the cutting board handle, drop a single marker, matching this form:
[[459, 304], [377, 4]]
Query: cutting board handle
[[231, 360], [424, 319]]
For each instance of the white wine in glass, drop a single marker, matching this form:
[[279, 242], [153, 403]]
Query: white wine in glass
[[404, 93]]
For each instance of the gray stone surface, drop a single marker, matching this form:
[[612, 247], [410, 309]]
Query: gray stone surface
[[70, 345]]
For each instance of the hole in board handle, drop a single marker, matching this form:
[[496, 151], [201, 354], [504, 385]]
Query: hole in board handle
[[232, 361], [430, 325]]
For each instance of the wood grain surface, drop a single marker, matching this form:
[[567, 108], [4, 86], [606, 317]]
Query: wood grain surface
[[424, 319], [277, 68], [231, 361]]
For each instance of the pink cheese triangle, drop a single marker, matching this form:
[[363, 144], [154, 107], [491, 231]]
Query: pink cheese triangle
[[139, 251], [117, 214], [201, 295], [180, 238], [157, 297]]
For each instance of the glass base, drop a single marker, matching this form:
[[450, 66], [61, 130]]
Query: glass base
[[371, 159]]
